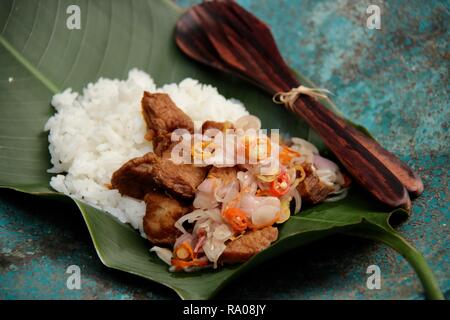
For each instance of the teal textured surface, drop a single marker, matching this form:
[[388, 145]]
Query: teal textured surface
[[394, 81]]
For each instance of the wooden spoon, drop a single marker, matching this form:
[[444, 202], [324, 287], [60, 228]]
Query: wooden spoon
[[225, 36]]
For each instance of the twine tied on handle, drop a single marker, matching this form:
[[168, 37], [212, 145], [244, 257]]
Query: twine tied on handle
[[289, 98]]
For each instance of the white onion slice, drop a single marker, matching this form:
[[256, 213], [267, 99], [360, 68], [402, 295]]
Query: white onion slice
[[185, 237], [298, 200], [215, 215], [248, 203], [248, 122], [338, 197], [163, 253], [213, 249], [322, 163], [327, 176], [227, 192], [207, 185], [264, 215], [222, 232], [305, 144], [190, 217], [205, 201]]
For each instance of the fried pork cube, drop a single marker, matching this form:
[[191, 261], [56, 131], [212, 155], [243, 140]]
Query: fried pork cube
[[162, 211], [246, 246], [163, 145], [162, 116], [311, 189], [148, 173]]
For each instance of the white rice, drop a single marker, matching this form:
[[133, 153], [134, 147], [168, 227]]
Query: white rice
[[94, 133]]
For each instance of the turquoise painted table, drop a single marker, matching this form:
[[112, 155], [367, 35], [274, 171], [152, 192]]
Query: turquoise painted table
[[393, 80]]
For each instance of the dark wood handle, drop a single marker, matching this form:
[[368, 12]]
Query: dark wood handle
[[399, 169]]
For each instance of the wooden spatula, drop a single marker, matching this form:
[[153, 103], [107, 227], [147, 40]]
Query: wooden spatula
[[225, 36]]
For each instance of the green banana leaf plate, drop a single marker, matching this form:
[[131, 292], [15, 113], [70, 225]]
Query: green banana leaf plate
[[40, 56]]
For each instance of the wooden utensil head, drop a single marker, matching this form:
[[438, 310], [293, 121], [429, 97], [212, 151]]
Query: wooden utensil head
[[225, 36]]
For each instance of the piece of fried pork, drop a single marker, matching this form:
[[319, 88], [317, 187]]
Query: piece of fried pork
[[311, 189], [162, 116], [249, 244], [162, 211], [148, 173]]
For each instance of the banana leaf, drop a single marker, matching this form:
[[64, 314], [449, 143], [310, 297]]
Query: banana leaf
[[40, 56]]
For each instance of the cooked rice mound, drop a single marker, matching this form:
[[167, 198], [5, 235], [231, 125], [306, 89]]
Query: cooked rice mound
[[92, 134]]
